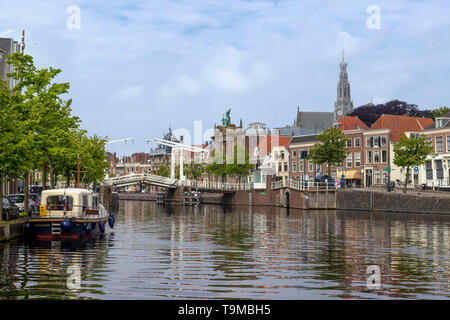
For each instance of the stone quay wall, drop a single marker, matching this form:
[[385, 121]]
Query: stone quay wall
[[11, 230]]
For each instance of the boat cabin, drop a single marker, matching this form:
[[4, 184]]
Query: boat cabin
[[70, 202]]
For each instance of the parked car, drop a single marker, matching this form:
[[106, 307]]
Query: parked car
[[322, 180], [19, 201], [10, 210]]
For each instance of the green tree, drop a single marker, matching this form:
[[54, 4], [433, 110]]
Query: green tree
[[330, 148], [235, 165], [46, 114], [13, 141], [410, 152], [440, 112], [163, 170], [194, 171]]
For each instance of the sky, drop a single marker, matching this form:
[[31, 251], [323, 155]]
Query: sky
[[137, 67]]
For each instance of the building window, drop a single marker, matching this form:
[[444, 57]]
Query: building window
[[349, 143], [276, 155], [294, 153], [357, 159], [282, 155], [448, 143], [439, 144], [376, 142], [383, 156], [294, 166], [300, 165], [385, 180], [414, 135], [369, 142], [383, 140], [369, 157], [310, 166], [350, 160], [429, 169], [439, 170], [376, 156], [430, 141], [377, 176], [279, 167], [357, 142], [285, 167]]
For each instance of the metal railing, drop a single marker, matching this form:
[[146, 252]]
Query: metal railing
[[212, 185], [302, 185]]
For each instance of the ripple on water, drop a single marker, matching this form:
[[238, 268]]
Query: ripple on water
[[254, 253]]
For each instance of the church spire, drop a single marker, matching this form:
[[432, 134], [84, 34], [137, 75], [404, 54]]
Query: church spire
[[343, 104]]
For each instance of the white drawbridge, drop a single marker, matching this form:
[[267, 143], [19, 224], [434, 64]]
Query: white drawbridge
[[144, 178], [177, 147]]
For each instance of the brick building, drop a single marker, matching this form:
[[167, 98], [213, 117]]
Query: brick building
[[436, 171]]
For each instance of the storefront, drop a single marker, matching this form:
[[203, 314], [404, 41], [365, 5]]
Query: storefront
[[352, 178]]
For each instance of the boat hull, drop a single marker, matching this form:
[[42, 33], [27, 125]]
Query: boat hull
[[44, 230]]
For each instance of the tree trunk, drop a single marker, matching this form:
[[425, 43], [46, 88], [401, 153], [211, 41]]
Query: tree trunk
[[68, 179], [1, 197], [44, 176], [52, 181], [405, 187], [25, 203]]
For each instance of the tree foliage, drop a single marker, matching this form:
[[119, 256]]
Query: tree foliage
[[330, 149], [370, 113], [37, 127], [440, 112], [410, 152], [233, 165]]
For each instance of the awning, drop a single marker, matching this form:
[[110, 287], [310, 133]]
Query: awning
[[349, 174]]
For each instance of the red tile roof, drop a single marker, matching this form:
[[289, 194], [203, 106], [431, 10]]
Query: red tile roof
[[398, 125], [351, 123], [266, 143]]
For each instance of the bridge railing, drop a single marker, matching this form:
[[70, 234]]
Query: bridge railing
[[213, 185], [307, 185]]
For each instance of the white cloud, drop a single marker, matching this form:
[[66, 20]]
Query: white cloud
[[130, 93], [260, 58]]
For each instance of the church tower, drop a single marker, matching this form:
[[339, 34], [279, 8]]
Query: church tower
[[343, 104]]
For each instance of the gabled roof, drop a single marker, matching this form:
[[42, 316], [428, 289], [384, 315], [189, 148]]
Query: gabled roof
[[268, 142], [290, 131], [351, 123], [398, 125], [306, 138], [315, 120]]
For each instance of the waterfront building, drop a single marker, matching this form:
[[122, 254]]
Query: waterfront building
[[436, 171], [7, 47], [301, 168], [352, 167], [379, 141], [274, 157]]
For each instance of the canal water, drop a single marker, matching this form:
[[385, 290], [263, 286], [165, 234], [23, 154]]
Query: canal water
[[214, 252]]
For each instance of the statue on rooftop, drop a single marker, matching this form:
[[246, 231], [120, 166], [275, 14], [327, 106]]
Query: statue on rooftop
[[226, 118]]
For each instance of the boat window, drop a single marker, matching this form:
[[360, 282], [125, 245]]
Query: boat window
[[95, 202], [85, 201], [58, 202]]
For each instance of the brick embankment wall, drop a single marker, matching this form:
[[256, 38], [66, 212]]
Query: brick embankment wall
[[392, 202], [11, 230], [212, 198], [137, 196]]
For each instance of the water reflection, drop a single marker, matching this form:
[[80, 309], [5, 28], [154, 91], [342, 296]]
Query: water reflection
[[239, 252]]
